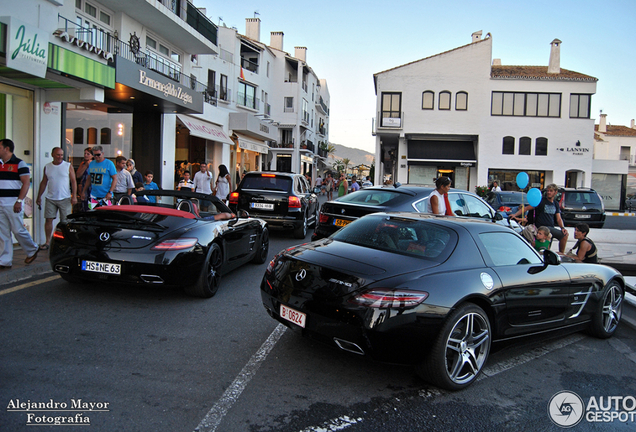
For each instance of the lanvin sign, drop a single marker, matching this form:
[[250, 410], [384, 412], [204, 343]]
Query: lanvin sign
[[140, 78], [27, 47]]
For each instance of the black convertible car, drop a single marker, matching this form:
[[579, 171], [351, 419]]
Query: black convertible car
[[184, 240], [434, 291]]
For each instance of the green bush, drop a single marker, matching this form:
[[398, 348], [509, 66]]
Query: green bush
[[482, 191]]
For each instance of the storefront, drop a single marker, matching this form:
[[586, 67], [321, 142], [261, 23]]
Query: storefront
[[251, 136]]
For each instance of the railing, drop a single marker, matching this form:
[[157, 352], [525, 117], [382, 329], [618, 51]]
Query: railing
[[267, 109], [323, 105], [201, 23], [96, 37], [247, 101], [249, 65]]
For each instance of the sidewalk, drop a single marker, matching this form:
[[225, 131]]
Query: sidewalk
[[20, 270]]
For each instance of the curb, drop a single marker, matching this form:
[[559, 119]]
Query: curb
[[26, 272], [619, 214]]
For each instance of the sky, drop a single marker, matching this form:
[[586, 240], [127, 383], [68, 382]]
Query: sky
[[348, 41]]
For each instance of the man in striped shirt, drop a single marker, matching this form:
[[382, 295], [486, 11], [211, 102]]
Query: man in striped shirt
[[14, 185]]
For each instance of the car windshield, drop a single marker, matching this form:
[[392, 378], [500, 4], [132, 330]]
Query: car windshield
[[513, 198], [582, 198], [268, 182], [374, 197], [399, 235]]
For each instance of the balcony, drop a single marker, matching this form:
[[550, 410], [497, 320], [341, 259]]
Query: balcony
[[194, 33], [247, 101], [249, 65], [322, 106]]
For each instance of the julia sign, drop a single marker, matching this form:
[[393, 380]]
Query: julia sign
[[27, 47]]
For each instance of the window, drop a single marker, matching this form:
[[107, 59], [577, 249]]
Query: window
[[151, 43], [246, 95], [526, 104], [476, 207], [91, 10], [541, 147], [78, 135], [391, 109], [506, 249], [444, 100], [223, 88], [580, 106], [164, 50], [92, 136], [305, 111], [104, 17], [524, 146], [212, 82], [428, 100], [461, 101], [508, 146], [105, 136], [289, 104]]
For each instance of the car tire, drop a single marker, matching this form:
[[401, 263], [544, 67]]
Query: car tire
[[608, 312], [261, 254], [209, 280], [461, 349], [301, 231]]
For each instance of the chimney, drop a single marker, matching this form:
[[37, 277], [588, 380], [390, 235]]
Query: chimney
[[477, 36], [602, 124], [632, 125], [554, 67], [496, 62], [253, 28], [276, 40], [301, 53]]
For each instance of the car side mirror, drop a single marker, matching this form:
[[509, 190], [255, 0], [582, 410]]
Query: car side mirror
[[498, 217], [242, 214], [549, 258]]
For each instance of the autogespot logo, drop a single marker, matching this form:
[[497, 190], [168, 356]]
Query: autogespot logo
[[566, 409]]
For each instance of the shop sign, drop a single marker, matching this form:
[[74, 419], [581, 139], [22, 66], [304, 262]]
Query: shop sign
[[28, 47], [306, 159], [576, 150], [251, 145]]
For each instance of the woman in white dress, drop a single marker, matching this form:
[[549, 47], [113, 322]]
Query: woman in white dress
[[222, 189]]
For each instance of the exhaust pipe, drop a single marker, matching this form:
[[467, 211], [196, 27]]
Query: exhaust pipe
[[61, 268], [151, 279], [348, 346]]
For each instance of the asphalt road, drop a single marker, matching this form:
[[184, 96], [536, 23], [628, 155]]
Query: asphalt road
[[157, 360], [620, 222]]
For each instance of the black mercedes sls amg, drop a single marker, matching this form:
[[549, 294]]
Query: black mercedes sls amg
[[185, 239], [434, 291]]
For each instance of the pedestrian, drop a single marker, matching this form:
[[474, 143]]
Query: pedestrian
[[548, 214], [318, 185], [125, 183], [367, 182], [203, 184], [329, 187], [61, 192], [438, 202], [84, 180], [103, 177], [14, 186], [354, 184], [136, 175], [186, 184], [150, 185], [343, 186], [495, 187], [542, 239], [222, 189], [584, 247]]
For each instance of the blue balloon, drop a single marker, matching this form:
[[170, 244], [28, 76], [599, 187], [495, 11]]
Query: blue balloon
[[522, 180], [534, 197]]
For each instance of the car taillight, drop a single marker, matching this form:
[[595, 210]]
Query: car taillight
[[58, 234], [562, 201], [389, 298], [323, 218], [175, 244], [504, 209], [234, 198], [294, 202]]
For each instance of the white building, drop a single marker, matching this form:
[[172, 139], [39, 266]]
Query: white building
[[464, 115]]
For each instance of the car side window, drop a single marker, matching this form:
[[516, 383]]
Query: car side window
[[506, 249], [457, 203], [477, 208]]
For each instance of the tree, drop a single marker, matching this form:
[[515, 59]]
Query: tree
[[346, 162]]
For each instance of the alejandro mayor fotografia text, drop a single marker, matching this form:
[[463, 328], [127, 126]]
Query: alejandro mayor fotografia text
[[54, 412]]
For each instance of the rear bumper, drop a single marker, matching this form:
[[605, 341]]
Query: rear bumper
[[595, 220]]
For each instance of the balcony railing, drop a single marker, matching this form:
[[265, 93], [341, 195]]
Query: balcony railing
[[247, 101], [249, 65], [322, 105], [201, 23]]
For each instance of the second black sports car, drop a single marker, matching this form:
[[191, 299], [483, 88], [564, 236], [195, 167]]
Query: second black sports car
[[174, 242], [434, 291]]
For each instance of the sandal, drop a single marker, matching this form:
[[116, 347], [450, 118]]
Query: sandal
[[44, 247]]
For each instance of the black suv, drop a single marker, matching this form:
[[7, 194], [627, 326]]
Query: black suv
[[581, 205], [284, 200]]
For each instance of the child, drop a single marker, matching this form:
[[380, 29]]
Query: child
[[542, 239], [150, 185], [141, 198]]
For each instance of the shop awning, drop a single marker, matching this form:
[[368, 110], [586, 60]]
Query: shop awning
[[204, 129], [247, 144]]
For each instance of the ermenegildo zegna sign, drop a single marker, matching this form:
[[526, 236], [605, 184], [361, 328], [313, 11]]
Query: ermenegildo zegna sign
[[140, 78]]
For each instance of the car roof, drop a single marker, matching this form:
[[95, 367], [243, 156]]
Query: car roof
[[576, 189], [473, 225], [413, 190], [278, 173]]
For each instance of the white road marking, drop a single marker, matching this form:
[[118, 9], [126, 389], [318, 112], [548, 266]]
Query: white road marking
[[332, 425], [214, 417], [503, 366]]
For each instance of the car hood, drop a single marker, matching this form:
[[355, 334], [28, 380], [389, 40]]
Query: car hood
[[119, 230]]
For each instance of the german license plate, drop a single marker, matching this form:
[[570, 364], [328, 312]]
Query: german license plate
[[98, 267], [341, 222], [262, 206], [292, 315], [582, 216]]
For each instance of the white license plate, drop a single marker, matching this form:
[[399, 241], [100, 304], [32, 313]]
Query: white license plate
[[582, 216], [292, 315], [97, 267], [262, 206]]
